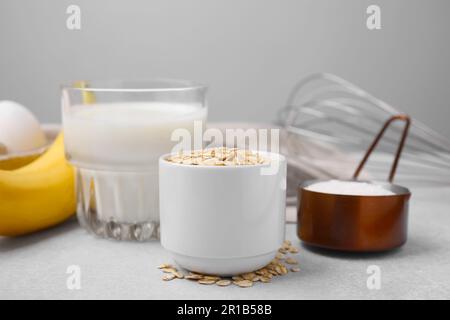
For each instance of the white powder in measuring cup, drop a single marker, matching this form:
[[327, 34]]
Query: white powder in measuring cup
[[349, 188]]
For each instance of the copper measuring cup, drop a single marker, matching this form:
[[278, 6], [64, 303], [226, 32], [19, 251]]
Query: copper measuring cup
[[353, 222]]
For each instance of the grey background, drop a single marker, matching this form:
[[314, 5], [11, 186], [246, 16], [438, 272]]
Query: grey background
[[250, 52]]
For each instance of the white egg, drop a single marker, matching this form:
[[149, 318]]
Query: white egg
[[19, 129]]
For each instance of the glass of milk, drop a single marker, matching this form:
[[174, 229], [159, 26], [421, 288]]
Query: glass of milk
[[114, 133]]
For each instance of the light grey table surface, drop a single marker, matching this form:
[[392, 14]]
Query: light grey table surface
[[35, 266]]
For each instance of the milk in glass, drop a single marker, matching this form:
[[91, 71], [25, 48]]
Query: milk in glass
[[115, 148]]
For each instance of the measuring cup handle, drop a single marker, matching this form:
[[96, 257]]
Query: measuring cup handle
[[402, 117]]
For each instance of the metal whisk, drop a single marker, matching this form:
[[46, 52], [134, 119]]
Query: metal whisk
[[330, 122]]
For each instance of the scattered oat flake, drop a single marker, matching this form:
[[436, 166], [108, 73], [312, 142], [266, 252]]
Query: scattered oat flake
[[223, 283], [280, 256], [164, 265], [278, 270], [284, 270], [243, 283], [193, 277], [209, 277], [291, 261], [206, 281], [273, 272], [168, 277], [293, 250], [248, 276], [295, 269]]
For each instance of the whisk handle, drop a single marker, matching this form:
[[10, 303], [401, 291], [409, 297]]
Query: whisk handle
[[402, 117]]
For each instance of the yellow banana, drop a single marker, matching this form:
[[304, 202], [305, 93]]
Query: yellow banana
[[87, 96], [38, 195], [18, 161]]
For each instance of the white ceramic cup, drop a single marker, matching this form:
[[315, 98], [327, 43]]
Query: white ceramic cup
[[222, 220]]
